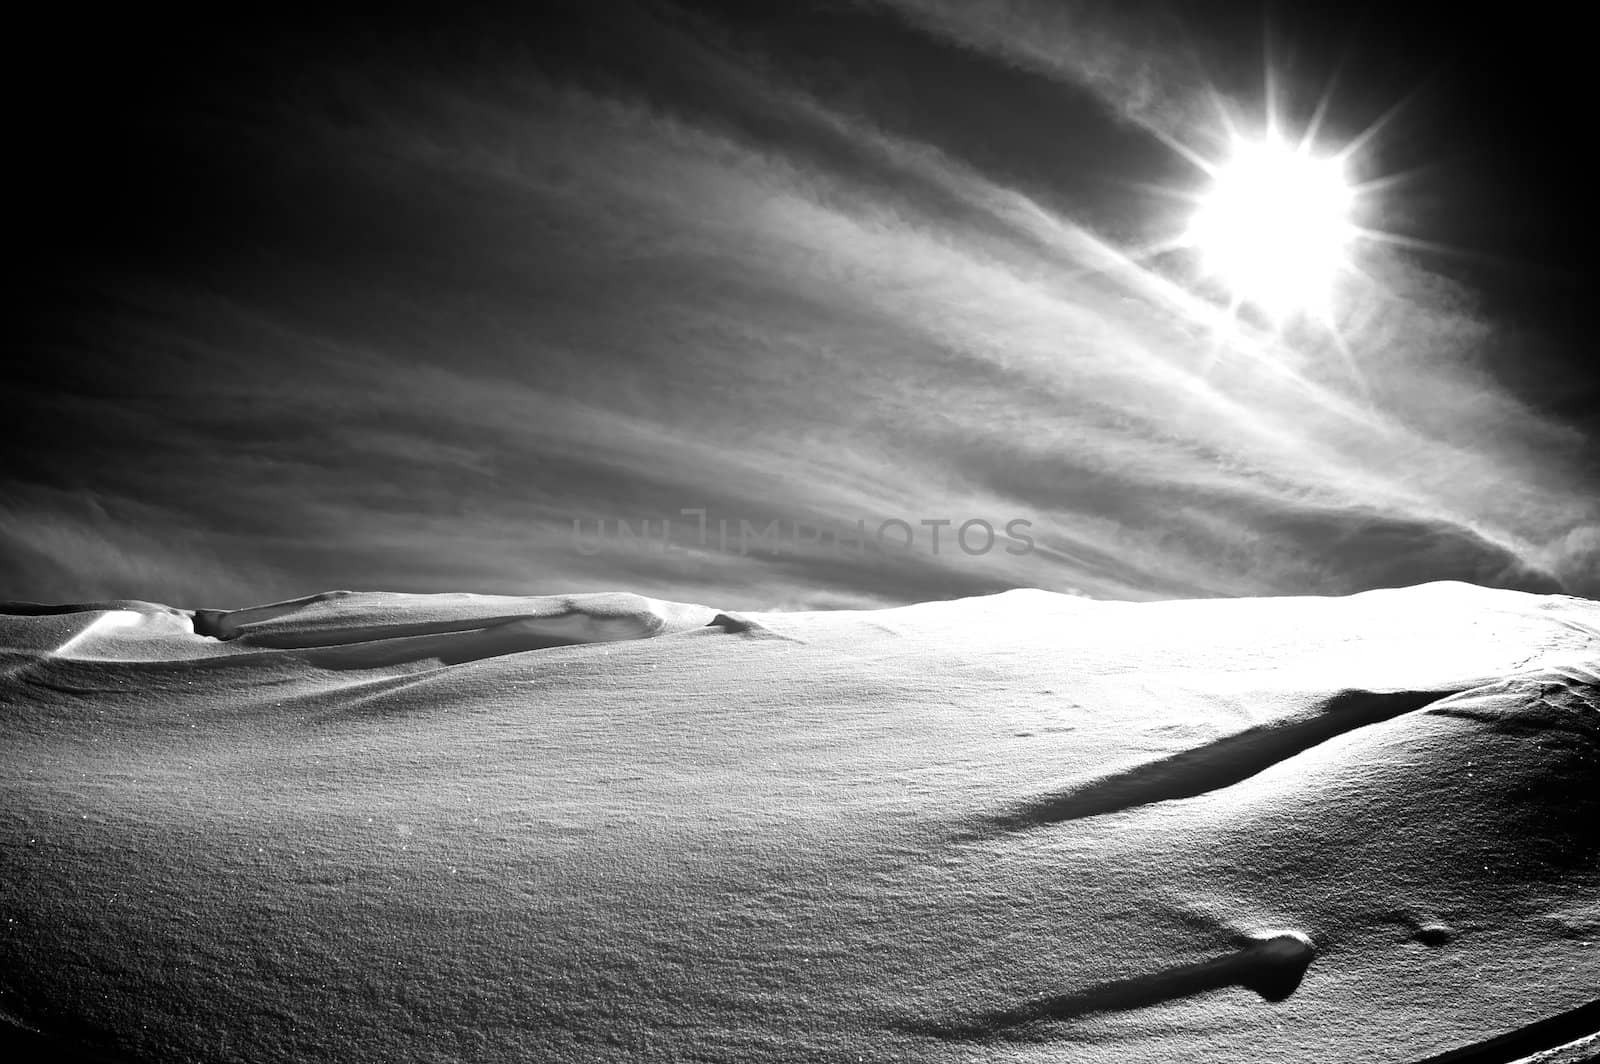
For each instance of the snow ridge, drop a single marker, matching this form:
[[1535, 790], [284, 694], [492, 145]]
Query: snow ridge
[[1214, 765]]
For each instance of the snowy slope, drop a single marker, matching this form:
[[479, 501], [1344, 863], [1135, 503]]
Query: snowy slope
[[1026, 827]]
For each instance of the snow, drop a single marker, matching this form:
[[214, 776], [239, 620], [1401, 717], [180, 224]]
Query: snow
[[1023, 827]]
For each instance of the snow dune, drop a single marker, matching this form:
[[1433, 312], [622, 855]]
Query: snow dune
[[1024, 827]]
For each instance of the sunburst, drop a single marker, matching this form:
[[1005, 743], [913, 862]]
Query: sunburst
[[1278, 220], [1275, 225]]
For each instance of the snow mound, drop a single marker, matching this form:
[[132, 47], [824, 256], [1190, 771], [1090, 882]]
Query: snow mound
[[369, 629], [1026, 827]]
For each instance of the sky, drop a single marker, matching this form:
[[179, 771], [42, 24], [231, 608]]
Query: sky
[[800, 305]]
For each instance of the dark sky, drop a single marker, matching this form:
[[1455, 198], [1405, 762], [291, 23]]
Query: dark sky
[[322, 301]]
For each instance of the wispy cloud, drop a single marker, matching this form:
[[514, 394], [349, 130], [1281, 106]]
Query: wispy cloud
[[507, 297], [1136, 57]]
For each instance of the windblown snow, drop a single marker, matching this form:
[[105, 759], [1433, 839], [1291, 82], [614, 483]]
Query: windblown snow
[[1026, 827]]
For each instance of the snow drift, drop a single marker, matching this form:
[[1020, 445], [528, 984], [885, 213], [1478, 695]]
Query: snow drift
[[1025, 827]]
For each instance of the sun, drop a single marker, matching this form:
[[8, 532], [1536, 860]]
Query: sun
[[1275, 226]]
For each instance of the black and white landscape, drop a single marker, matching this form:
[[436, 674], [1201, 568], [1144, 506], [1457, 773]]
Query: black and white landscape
[[881, 530]]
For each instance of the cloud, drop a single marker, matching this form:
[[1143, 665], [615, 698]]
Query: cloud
[[1130, 55], [485, 301], [58, 546]]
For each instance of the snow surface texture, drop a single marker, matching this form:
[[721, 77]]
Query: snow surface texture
[[1025, 827]]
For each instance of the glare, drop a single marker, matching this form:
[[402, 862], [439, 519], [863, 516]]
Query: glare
[[1275, 226], [107, 620]]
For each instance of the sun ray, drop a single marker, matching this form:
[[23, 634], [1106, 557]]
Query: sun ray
[[1188, 154], [1308, 139], [1225, 120], [1413, 243], [1359, 142], [1271, 91], [1348, 357], [1388, 182]]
